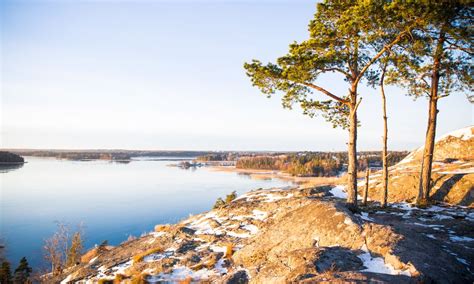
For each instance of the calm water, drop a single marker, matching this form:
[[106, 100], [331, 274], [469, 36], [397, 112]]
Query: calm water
[[113, 200]]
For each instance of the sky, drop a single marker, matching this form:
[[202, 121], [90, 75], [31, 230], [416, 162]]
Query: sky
[[169, 75]]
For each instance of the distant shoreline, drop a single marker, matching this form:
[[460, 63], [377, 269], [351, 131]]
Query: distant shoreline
[[270, 174]]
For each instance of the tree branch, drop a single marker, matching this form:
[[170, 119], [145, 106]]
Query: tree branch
[[377, 56], [326, 92], [467, 50], [337, 70]]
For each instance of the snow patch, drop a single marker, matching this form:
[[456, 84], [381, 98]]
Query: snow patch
[[67, 279], [157, 256], [430, 236], [348, 221], [181, 273], [251, 228], [365, 216], [378, 265], [463, 134], [238, 235], [458, 171], [460, 239], [157, 234], [261, 215], [220, 266], [339, 191], [215, 248]]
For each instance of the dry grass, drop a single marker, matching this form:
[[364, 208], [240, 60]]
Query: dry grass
[[162, 228], [211, 262], [330, 273], [319, 181], [119, 278], [139, 278], [229, 250], [208, 263], [139, 257], [197, 266]]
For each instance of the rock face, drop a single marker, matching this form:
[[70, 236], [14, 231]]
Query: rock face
[[294, 235], [452, 177]]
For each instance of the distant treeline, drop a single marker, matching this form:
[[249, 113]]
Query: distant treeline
[[315, 163], [217, 157], [7, 157], [108, 154], [94, 156]]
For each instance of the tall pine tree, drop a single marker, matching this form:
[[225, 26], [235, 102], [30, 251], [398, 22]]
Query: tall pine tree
[[22, 272], [437, 62], [5, 273], [337, 43]]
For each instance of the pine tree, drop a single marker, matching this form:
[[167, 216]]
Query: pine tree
[[230, 197], [219, 203], [338, 40], [5, 273], [435, 63], [22, 272], [75, 250]]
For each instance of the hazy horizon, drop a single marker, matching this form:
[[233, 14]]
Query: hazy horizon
[[169, 76]]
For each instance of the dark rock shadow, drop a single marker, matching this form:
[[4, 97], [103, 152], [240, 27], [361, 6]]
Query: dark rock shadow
[[468, 198], [447, 185], [338, 259], [434, 259]]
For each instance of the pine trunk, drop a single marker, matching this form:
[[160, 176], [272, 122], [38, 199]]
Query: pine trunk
[[425, 179], [425, 184], [384, 139], [352, 154], [366, 190]]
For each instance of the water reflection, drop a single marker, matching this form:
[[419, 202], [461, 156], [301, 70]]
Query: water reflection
[[5, 168]]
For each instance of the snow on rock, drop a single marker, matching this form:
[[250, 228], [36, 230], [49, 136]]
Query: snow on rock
[[339, 191], [458, 171], [442, 217], [238, 235], [273, 197], [220, 266], [67, 279], [460, 239], [404, 206], [181, 273], [268, 195], [251, 228], [261, 215], [157, 256], [203, 225], [94, 259], [365, 216], [157, 234], [216, 248], [109, 273], [348, 221], [378, 265], [463, 134]]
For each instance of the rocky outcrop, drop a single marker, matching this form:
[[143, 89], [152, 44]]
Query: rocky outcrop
[[294, 235], [452, 177]]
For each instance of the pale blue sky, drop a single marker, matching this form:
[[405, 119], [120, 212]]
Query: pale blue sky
[[169, 75]]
